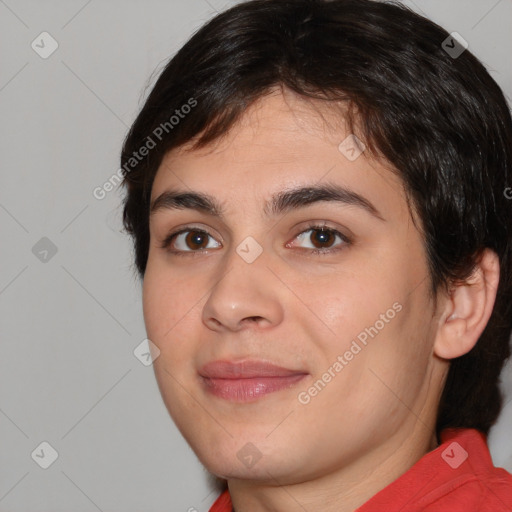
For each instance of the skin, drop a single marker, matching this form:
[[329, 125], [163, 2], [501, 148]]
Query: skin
[[299, 310]]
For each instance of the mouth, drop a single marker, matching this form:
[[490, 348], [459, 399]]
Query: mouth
[[247, 381]]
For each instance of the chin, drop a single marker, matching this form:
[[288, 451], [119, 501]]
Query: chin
[[240, 458]]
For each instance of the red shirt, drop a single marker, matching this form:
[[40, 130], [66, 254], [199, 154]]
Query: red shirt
[[458, 476]]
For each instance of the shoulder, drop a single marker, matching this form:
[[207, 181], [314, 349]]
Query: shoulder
[[477, 485], [477, 493]]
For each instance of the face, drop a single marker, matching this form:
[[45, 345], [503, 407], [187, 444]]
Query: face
[[295, 328]]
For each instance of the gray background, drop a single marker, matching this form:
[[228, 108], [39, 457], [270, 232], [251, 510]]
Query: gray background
[[71, 320]]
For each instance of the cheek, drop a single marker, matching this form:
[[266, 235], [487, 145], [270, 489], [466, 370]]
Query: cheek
[[348, 304], [167, 304], [170, 319], [155, 301], [379, 316]]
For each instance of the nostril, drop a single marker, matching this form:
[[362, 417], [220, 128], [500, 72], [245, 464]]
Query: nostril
[[253, 318]]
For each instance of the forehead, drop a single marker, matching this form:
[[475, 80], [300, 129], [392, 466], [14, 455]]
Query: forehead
[[281, 141], [276, 122]]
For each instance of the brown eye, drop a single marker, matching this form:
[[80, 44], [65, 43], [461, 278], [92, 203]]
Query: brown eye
[[321, 239], [188, 240], [196, 240]]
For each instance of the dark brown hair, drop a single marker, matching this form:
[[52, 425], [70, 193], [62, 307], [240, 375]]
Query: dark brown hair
[[437, 117]]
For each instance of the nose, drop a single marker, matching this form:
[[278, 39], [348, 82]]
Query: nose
[[246, 296]]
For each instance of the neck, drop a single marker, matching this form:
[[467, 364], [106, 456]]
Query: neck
[[343, 490]]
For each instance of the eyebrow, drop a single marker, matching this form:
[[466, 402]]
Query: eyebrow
[[279, 204]]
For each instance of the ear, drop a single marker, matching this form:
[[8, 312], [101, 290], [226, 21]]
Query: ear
[[468, 308]]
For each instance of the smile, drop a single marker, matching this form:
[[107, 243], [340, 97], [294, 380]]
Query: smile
[[247, 381]]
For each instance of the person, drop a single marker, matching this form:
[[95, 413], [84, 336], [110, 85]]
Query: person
[[317, 195]]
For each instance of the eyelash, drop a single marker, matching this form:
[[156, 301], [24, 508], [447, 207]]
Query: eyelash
[[169, 239]]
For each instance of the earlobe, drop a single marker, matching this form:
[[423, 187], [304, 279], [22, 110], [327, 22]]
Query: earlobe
[[468, 308]]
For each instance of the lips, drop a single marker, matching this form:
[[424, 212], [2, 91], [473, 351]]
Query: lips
[[249, 380]]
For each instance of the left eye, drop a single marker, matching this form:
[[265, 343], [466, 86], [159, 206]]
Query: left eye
[[320, 237], [195, 240]]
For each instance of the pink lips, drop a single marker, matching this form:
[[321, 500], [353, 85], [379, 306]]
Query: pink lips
[[247, 380]]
